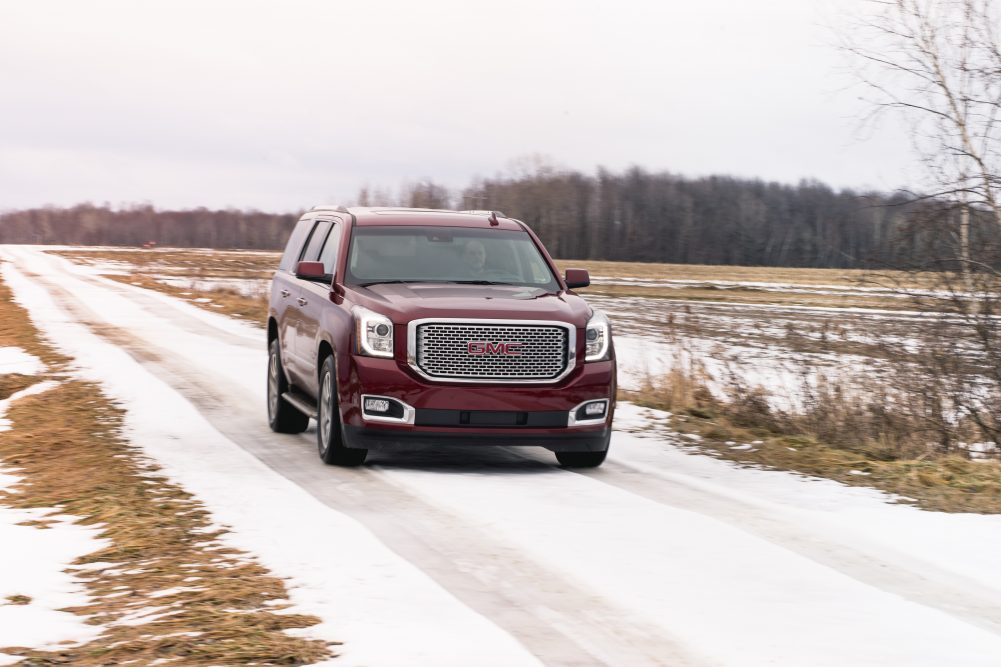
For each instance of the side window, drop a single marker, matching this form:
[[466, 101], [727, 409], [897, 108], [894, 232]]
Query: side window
[[330, 250], [316, 240], [294, 245]]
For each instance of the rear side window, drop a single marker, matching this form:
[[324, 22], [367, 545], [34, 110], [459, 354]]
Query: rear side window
[[294, 245], [330, 250], [316, 240]]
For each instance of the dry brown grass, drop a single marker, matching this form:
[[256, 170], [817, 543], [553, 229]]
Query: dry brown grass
[[195, 264], [11, 383], [810, 279], [226, 301], [751, 296], [16, 331], [847, 440], [762, 274], [184, 262], [214, 605]]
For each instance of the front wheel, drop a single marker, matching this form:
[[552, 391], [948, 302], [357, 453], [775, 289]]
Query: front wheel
[[329, 433], [282, 417], [581, 459]]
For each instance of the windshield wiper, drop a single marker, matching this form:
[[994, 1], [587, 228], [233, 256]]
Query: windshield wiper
[[480, 282], [385, 282]]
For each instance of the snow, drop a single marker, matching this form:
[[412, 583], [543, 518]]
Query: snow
[[783, 287], [16, 360], [336, 569], [695, 576], [253, 287], [33, 563], [730, 565]]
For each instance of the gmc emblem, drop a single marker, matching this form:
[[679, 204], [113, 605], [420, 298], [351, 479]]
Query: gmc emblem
[[477, 347]]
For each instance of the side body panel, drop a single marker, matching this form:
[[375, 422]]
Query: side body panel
[[323, 320]]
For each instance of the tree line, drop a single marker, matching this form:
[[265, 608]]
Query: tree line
[[87, 224], [630, 216]]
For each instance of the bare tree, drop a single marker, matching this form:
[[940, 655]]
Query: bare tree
[[937, 65]]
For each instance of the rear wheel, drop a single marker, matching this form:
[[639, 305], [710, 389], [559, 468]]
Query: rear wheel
[[282, 417], [329, 432], [581, 459]]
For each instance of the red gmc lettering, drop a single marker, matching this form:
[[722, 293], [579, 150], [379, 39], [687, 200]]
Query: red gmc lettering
[[477, 347]]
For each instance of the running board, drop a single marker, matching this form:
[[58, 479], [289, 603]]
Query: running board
[[301, 402]]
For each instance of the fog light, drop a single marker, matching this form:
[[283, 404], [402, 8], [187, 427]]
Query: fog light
[[376, 405], [589, 413]]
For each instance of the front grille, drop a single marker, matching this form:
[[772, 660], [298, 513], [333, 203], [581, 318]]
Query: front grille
[[444, 351]]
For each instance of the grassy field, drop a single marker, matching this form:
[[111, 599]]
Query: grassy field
[[216, 605], [947, 483], [702, 282], [748, 432], [704, 272]]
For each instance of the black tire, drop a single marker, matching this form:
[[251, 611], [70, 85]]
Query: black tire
[[329, 431], [282, 417], [581, 459]]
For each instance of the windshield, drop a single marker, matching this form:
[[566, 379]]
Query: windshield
[[446, 254]]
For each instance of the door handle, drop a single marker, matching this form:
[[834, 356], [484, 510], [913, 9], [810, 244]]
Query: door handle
[[302, 302], [285, 293]]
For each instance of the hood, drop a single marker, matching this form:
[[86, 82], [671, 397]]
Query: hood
[[405, 302]]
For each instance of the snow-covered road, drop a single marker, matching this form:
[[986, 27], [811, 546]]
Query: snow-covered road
[[660, 557]]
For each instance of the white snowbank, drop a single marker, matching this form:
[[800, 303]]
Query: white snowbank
[[16, 360], [33, 564], [386, 610], [705, 572], [737, 566]]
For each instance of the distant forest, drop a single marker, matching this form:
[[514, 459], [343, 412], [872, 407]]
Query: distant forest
[[630, 216]]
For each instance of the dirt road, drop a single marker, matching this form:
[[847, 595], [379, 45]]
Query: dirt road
[[658, 558]]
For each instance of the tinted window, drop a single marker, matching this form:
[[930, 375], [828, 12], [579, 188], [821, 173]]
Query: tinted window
[[316, 240], [446, 254], [329, 253], [294, 245]]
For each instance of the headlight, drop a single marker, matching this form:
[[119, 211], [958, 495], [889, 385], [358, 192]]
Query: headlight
[[597, 334], [373, 333]]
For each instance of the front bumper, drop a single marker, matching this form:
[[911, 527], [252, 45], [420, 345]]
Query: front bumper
[[477, 415]]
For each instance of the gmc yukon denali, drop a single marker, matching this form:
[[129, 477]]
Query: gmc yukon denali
[[406, 328]]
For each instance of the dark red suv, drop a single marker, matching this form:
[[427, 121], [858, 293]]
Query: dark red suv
[[402, 328]]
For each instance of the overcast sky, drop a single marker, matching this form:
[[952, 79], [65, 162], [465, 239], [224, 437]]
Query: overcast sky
[[282, 105]]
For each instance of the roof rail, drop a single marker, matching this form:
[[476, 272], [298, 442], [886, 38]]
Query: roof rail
[[486, 212], [330, 207]]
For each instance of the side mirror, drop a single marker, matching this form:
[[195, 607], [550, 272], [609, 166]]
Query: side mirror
[[577, 278], [310, 270]]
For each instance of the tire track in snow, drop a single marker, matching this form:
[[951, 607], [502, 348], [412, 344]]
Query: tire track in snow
[[898, 573], [533, 603], [550, 615]]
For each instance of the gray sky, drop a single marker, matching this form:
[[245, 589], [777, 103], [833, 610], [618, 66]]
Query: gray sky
[[281, 105]]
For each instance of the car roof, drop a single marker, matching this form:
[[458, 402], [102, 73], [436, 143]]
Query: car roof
[[384, 216]]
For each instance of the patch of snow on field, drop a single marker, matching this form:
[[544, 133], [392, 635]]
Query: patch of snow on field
[[33, 564], [365, 594], [16, 360], [252, 287]]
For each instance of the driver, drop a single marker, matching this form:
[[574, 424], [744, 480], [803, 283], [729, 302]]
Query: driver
[[474, 255]]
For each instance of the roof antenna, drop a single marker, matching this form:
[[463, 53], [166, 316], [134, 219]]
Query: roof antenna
[[493, 219]]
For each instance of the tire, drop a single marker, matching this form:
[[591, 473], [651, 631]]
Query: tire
[[282, 417], [581, 459], [329, 431]]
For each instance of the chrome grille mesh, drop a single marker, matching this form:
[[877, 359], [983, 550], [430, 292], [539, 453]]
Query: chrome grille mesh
[[443, 351]]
